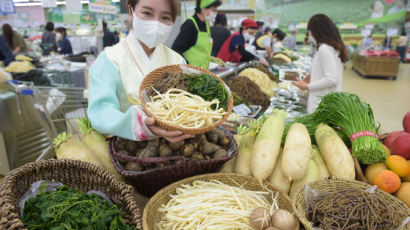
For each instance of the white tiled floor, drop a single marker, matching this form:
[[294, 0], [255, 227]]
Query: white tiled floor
[[389, 99]]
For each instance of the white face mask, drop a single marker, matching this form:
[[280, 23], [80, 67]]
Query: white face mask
[[274, 40], [313, 40], [211, 17], [247, 36], [151, 33], [58, 36]]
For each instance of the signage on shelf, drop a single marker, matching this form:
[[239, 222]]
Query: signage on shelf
[[102, 6], [49, 3]]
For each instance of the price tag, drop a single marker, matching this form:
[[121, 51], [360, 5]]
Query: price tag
[[242, 110]]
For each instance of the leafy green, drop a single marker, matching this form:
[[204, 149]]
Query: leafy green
[[209, 89], [67, 209]]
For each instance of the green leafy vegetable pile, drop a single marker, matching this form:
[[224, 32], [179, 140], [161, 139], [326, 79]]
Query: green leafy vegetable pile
[[209, 89], [68, 208]]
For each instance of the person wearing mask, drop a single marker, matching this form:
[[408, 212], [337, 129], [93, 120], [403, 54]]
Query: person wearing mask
[[48, 40], [233, 50], [64, 45], [6, 55], [402, 45], [367, 42], [278, 42], [291, 42], [327, 67], [267, 42], [219, 33], [109, 38], [194, 40], [14, 39], [117, 73]]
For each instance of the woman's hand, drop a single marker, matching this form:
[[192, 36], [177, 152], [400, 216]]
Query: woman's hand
[[171, 136], [263, 61], [300, 84]]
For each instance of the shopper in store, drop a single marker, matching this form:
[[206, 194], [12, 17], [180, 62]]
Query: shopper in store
[[367, 42], [402, 45], [48, 40], [117, 73], [109, 38], [6, 55], [260, 32], [278, 43], [194, 40], [219, 33], [268, 41], [64, 45], [233, 50], [14, 39], [291, 42], [327, 69]]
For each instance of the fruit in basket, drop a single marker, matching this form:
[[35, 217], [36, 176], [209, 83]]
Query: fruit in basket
[[403, 193], [401, 145], [387, 181], [373, 170], [399, 165], [406, 122], [260, 218], [389, 140], [407, 178]]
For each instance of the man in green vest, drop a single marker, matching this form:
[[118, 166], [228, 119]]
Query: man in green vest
[[194, 40]]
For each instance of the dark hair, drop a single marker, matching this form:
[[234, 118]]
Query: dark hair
[[403, 32], [324, 30], [104, 25], [62, 30], [276, 31], [8, 34], [214, 4], [221, 19], [280, 35], [49, 26], [173, 4], [260, 24]]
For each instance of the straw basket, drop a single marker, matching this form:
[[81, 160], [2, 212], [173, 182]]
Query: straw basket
[[332, 185], [75, 174], [158, 73], [151, 215], [151, 181]]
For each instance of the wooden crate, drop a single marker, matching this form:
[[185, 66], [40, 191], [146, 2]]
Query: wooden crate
[[376, 66]]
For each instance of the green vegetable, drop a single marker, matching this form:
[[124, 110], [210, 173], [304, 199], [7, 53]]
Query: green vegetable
[[209, 89], [237, 100], [68, 208]]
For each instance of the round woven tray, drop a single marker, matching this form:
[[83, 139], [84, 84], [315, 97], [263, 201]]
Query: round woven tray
[[75, 174], [151, 215], [335, 184], [158, 73]]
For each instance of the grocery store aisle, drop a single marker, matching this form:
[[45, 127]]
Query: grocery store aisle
[[389, 99]]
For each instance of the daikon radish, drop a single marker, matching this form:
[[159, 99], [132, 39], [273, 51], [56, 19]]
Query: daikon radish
[[267, 146], [229, 166], [98, 145], [337, 156], [71, 147], [296, 153], [312, 175], [243, 159], [277, 179], [320, 163]]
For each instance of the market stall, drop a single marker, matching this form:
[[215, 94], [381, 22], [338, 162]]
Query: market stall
[[377, 63]]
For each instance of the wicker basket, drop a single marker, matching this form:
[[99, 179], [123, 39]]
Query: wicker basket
[[333, 184], [151, 215], [158, 73], [151, 181], [75, 174]]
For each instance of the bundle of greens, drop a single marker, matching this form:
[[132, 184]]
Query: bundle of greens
[[68, 208], [209, 89], [347, 114]]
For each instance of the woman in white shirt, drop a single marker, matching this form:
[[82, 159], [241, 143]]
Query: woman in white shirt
[[327, 69]]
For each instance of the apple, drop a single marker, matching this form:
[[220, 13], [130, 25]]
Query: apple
[[406, 122], [389, 140], [401, 145]]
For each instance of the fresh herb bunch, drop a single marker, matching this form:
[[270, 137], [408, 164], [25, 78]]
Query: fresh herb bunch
[[209, 89], [68, 208]]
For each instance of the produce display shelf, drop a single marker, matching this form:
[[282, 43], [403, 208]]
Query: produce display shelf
[[384, 67]]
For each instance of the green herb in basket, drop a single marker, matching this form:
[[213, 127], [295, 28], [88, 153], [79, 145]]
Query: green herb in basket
[[68, 208], [209, 89]]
